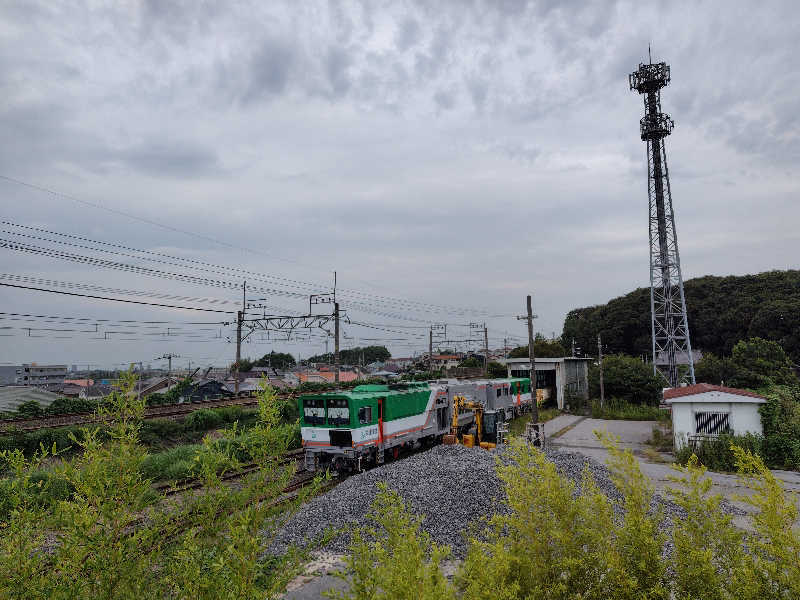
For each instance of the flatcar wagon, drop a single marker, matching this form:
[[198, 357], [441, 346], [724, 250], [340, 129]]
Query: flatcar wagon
[[348, 430]]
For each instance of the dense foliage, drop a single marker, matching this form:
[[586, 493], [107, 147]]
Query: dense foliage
[[754, 363], [114, 537], [621, 410], [497, 370], [152, 432], [543, 347], [31, 409], [556, 540], [275, 360], [721, 310], [627, 379], [471, 362], [354, 356]]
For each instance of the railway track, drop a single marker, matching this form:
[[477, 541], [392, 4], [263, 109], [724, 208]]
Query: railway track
[[170, 411], [171, 489]]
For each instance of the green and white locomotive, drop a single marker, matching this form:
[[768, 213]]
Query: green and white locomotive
[[348, 430]]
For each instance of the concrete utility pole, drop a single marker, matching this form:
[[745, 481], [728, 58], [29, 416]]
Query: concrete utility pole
[[430, 350], [573, 347], [600, 358], [486, 351], [532, 357], [336, 341], [239, 319]]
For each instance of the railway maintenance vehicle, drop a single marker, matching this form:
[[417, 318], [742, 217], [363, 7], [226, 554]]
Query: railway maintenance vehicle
[[346, 431]]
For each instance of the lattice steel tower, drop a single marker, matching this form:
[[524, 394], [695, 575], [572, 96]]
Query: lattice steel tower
[[670, 326]]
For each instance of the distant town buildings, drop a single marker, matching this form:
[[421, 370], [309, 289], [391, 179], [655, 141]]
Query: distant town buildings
[[33, 375]]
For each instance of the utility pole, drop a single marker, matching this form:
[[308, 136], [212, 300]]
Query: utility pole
[[532, 357], [430, 350], [336, 341], [486, 351], [239, 319], [505, 347], [600, 358], [573, 347]]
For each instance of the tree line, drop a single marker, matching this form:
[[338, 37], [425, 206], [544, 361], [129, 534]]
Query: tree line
[[354, 356], [721, 311]]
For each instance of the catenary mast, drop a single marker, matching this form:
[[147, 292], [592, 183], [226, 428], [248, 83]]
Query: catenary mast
[[669, 323]]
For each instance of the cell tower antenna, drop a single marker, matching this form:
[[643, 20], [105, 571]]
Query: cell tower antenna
[[672, 348]]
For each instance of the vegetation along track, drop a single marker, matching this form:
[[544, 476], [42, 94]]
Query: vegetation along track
[[168, 411], [173, 488]]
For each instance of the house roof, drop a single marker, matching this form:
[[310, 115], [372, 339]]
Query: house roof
[[681, 394], [328, 376]]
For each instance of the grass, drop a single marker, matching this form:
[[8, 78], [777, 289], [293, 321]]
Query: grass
[[661, 441], [517, 426], [620, 410], [716, 454], [170, 465]]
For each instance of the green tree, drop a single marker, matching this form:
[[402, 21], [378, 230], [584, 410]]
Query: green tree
[[354, 356], [780, 421], [722, 311], [626, 378], [713, 369], [244, 364], [276, 360], [497, 370], [543, 347], [470, 363], [759, 363]]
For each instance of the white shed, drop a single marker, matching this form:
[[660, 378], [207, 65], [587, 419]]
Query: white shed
[[705, 410]]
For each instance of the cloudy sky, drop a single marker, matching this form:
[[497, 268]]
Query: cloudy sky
[[446, 159]]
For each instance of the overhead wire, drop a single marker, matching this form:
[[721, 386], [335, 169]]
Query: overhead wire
[[202, 265]]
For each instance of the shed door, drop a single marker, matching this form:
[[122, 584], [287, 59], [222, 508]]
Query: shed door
[[711, 422]]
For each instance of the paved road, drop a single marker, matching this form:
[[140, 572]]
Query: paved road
[[580, 437]]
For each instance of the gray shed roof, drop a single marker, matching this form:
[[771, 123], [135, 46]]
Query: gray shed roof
[[11, 396]]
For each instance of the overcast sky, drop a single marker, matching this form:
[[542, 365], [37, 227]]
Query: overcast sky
[[462, 154]]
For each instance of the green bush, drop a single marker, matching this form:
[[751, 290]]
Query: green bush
[[497, 370], [558, 540], [203, 420], [65, 406], [620, 409], [30, 409], [716, 454], [780, 419], [626, 378], [31, 441], [170, 465], [115, 538]]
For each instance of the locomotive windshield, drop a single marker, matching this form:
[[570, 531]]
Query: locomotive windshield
[[314, 411], [338, 412]]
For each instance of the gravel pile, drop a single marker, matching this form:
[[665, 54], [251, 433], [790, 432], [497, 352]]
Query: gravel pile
[[452, 487]]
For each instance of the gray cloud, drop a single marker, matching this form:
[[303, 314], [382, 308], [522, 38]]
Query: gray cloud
[[459, 153], [270, 69]]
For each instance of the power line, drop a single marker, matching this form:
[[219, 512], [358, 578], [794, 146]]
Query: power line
[[202, 265], [26, 287]]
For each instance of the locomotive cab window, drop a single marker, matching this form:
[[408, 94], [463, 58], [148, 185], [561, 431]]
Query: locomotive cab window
[[338, 411], [499, 392], [314, 411], [365, 415], [505, 391]]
